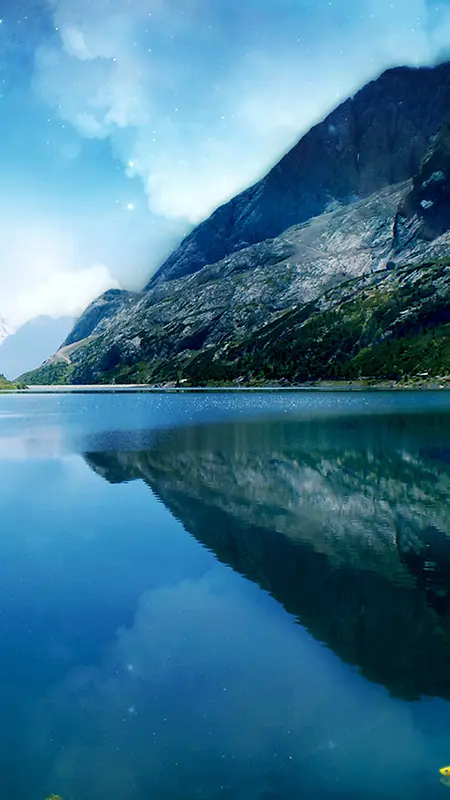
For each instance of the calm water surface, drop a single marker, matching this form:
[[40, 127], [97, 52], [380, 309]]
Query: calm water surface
[[224, 596]]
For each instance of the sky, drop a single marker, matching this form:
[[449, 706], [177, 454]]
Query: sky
[[126, 122]]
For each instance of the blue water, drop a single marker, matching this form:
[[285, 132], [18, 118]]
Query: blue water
[[224, 596]]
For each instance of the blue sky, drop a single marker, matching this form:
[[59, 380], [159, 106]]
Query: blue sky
[[125, 122]]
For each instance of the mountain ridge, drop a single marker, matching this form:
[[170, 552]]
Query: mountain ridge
[[39, 335], [341, 147], [191, 313]]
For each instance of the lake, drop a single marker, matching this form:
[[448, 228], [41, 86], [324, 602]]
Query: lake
[[237, 596]]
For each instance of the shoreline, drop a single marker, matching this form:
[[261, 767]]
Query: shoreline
[[320, 386]]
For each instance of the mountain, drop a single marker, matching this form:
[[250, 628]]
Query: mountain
[[92, 323], [31, 343], [373, 140], [345, 221], [295, 504], [4, 383], [97, 314]]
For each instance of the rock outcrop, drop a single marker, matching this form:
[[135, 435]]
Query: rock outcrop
[[93, 321], [425, 213]]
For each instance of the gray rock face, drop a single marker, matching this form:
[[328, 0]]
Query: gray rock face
[[371, 141], [425, 212], [244, 290], [223, 303], [93, 320]]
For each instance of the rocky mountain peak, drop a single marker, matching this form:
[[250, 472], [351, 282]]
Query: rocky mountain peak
[[373, 140], [426, 209]]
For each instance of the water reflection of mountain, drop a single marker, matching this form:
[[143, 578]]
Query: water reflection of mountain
[[344, 522]]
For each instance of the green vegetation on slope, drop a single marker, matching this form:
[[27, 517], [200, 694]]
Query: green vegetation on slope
[[384, 331], [9, 385], [57, 373], [427, 351], [4, 384], [391, 325], [387, 326]]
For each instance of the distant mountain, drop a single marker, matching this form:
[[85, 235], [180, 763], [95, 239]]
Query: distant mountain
[[5, 384], [31, 343], [345, 221]]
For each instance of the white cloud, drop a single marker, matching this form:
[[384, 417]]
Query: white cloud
[[206, 687], [237, 119], [41, 273], [63, 293], [196, 105]]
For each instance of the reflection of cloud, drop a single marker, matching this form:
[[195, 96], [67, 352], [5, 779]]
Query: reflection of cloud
[[44, 444], [210, 689]]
